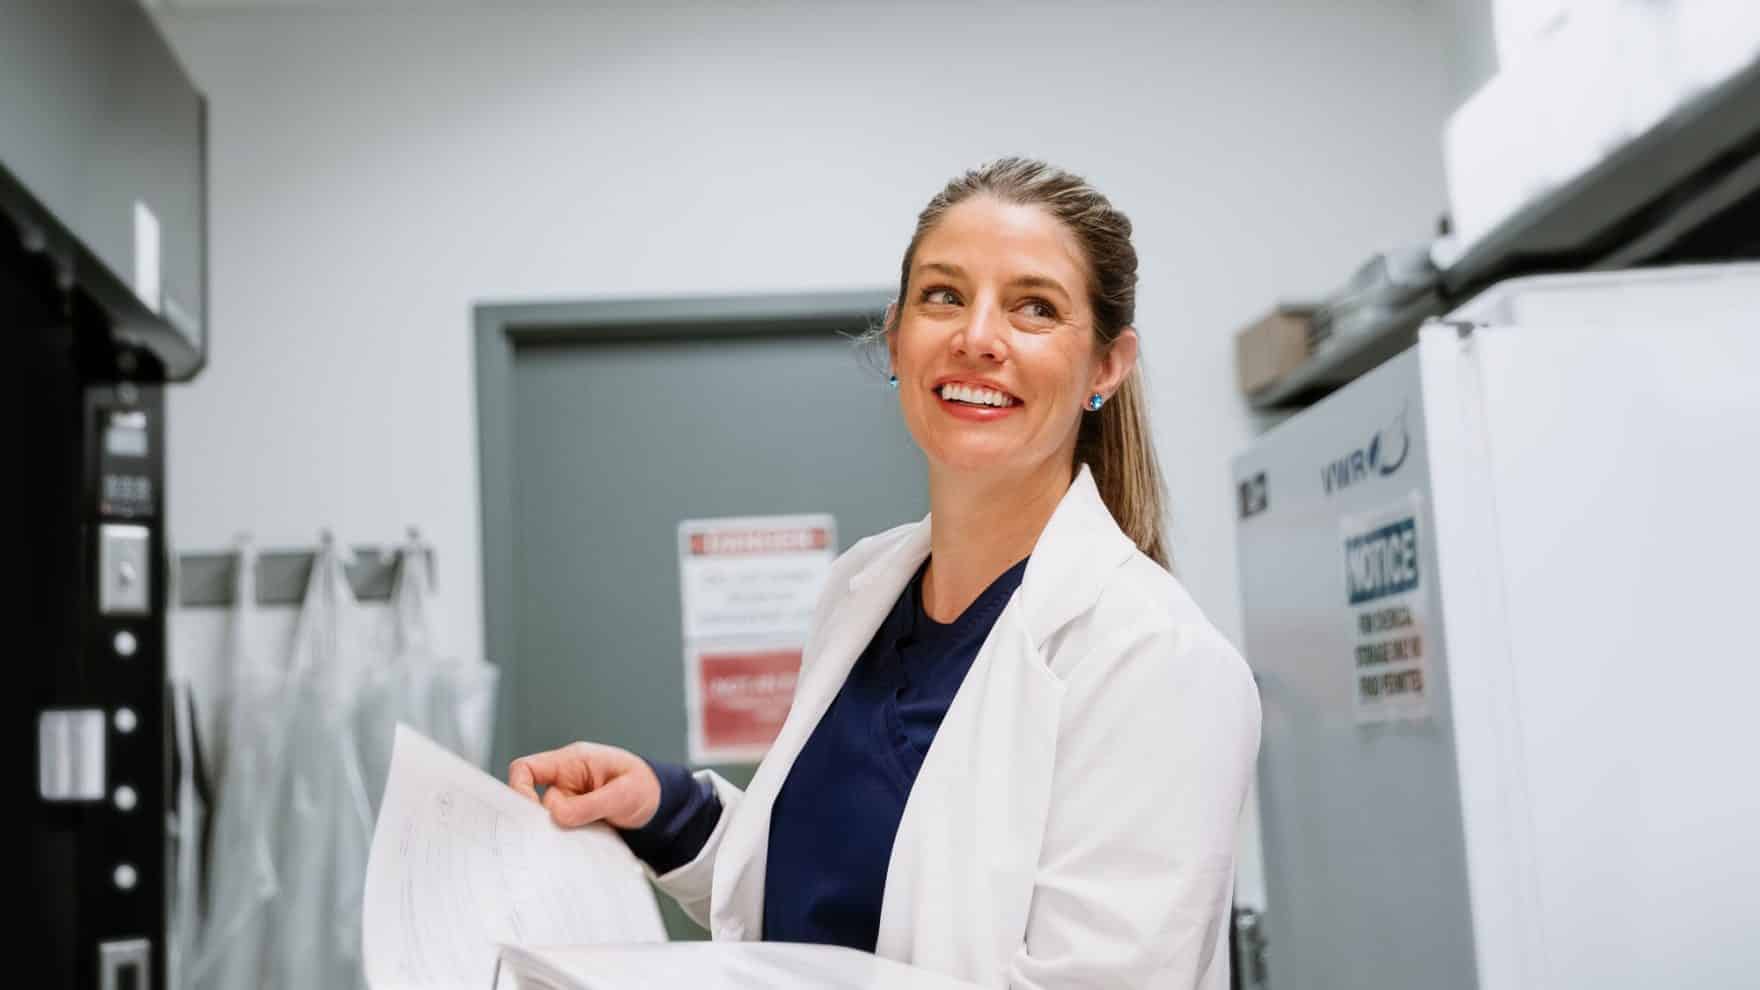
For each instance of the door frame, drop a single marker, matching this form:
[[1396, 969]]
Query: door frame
[[500, 328]]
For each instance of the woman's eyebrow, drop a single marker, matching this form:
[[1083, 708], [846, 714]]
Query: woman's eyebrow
[[943, 267], [1025, 281], [1039, 282]]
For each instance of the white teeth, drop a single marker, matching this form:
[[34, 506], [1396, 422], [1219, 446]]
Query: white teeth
[[975, 395]]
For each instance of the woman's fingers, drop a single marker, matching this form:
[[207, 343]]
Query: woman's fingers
[[528, 773], [572, 810], [557, 768], [587, 782], [522, 778]]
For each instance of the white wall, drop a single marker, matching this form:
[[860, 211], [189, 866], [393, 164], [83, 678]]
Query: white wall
[[374, 175], [1469, 44]]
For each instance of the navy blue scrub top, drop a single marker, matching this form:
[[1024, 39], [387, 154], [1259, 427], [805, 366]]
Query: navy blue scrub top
[[832, 827]]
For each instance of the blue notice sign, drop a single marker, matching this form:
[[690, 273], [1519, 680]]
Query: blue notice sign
[[1383, 561]]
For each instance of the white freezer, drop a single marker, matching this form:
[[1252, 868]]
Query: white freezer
[[1497, 594]]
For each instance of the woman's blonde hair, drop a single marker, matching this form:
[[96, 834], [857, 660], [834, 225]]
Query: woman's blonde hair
[[1113, 442]]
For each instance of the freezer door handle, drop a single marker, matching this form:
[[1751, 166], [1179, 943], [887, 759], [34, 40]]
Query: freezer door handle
[[1249, 941]]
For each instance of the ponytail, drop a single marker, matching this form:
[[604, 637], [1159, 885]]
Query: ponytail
[[1116, 446]]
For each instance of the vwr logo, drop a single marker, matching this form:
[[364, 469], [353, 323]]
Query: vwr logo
[[1386, 452]]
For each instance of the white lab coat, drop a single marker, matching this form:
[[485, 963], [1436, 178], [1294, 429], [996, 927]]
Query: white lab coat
[[1074, 822]]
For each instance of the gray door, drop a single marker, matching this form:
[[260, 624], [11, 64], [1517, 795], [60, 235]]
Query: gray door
[[618, 435]]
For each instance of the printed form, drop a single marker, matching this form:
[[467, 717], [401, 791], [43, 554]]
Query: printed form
[[462, 864]]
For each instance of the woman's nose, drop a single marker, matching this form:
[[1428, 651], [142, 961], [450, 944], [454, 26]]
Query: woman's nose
[[985, 335]]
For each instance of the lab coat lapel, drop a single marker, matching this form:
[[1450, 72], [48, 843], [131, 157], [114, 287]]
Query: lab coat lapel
[[1079, 549], [738, 889]]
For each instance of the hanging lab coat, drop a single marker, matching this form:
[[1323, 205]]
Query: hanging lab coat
[[1074, 821], [242, 883], [324, 818]]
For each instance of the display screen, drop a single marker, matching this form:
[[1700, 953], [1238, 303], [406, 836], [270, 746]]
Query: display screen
[[126, 435]]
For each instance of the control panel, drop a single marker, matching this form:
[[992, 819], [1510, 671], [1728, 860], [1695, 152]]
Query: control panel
[[97, 853]]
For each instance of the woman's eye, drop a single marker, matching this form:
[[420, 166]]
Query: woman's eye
[[1042, 309], [938, 296]]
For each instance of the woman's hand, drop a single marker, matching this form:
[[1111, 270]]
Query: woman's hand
[[586, 782]]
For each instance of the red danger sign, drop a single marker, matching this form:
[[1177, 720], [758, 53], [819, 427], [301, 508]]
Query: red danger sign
[[753, 541], [745, 696]]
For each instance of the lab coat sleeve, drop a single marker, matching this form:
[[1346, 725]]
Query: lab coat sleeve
[[1156, 745], [689, 884]]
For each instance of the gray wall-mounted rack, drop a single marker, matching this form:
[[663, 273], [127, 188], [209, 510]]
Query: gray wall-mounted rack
[[1688, 191], [208, 580], [1690, 168]]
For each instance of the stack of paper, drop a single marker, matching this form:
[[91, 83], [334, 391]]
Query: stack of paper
[[712, 964], [471, 885], [462, 864]]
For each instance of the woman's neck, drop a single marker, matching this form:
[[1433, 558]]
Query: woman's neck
[[981, 526]]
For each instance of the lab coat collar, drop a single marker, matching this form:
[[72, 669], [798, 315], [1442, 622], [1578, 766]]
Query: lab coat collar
[[1080, 546]]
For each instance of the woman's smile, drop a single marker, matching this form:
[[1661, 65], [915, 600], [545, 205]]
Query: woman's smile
[[975, 400]]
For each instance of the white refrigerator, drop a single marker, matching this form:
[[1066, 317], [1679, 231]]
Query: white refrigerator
[[1501, 599]]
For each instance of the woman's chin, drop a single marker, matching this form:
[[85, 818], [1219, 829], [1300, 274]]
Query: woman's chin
[[980, 459]]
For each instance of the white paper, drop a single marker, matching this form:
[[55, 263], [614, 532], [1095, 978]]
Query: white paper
[[783, 966], [462, 863]]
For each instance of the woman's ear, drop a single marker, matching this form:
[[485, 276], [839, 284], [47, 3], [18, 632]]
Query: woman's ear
[[1116, 363]]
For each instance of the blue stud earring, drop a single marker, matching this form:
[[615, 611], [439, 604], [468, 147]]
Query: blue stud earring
[[892, 381], [1095, 401]]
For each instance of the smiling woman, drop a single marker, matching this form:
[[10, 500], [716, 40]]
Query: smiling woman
[[1017, 751], [1024, 266]]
